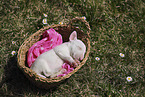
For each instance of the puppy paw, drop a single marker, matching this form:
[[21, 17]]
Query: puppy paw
[[78, 62], [75, 64]]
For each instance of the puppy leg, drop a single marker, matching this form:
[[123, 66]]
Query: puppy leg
[[67, 58], [41, 68], [46, 71], [58, 73]]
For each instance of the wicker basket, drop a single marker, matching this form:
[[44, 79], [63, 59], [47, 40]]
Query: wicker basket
[[65, 31]]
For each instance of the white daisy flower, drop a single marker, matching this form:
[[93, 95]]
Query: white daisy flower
[[45, 15], [97, 58], [60, 23], [44, 21], [129, 78], [122, 55], [13, 52], [13, 42], [84, 17]]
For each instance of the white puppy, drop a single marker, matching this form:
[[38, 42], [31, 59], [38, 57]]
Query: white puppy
[[49, 64]]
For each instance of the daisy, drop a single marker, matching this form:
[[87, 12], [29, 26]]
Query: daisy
[[97, 58], [13, 42], [84, 17], [122, 55], [60, 23], [13, 52], [129, 78], [45, 15], [44, 21]]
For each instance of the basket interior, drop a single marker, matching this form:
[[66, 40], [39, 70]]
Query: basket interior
[[63, 30]]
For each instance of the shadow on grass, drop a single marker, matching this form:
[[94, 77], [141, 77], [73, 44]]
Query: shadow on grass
[[17, 83]]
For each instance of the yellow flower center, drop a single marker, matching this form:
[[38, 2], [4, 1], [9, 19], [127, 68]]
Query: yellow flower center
[[84, 18], [13, 52], [13, 42], [61, 23], [129, 78], [44, 20], [45, 15]]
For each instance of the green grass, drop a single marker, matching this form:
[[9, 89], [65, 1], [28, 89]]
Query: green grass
[[117, 26]]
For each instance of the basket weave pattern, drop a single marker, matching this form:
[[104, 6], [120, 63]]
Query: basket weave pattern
[[65, 31]]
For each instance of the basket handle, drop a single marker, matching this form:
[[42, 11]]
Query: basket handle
[[82, 20]]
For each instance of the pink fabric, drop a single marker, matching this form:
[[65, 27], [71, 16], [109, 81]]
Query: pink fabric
[[67, 68], [50, 39]]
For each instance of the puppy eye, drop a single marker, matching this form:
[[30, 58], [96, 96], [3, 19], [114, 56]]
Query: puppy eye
[[80, 48]]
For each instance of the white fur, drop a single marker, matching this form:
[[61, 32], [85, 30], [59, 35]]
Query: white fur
[[50, 63]]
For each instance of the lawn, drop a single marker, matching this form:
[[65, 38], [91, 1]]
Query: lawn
[[117, 26]]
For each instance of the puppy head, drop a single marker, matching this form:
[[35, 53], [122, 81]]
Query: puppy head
[[78, 48]]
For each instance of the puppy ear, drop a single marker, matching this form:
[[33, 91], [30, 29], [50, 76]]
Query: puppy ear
[[73, 36]]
